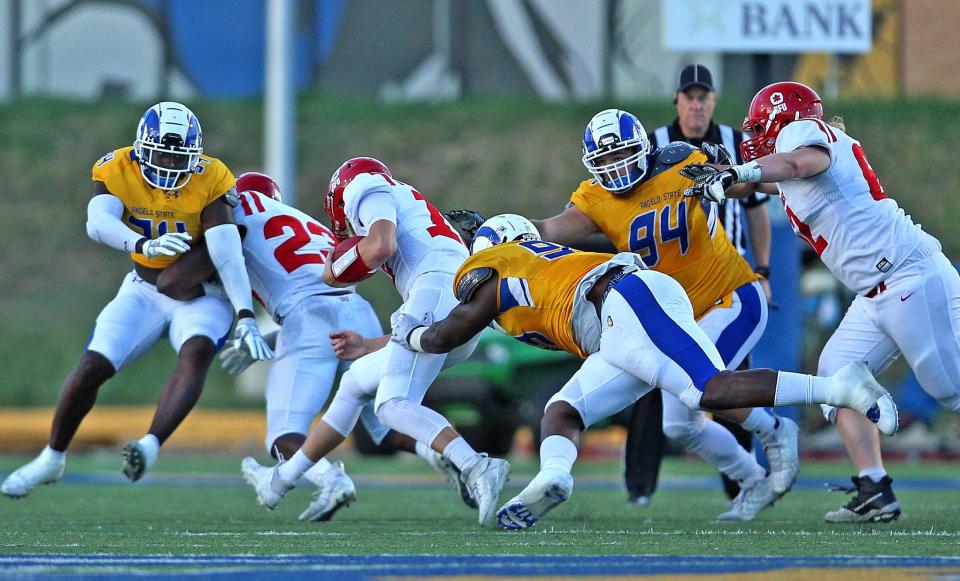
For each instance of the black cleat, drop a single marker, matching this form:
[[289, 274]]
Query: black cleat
[[874, 502]]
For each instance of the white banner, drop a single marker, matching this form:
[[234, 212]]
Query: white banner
[[767, 26]]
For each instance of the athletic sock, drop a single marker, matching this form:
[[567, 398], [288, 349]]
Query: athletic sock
[[557, 453], [151, 449], [799, 389], [463, 456], [315, 473], [295, 467], [876, 474], [425, 451], [762, 423], [48, 454]]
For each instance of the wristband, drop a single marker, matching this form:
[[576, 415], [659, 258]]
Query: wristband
[[747, 173], [763, 271], [414, 338]]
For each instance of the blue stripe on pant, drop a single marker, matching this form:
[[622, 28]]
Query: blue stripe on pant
[[671, 339], [737, 332]]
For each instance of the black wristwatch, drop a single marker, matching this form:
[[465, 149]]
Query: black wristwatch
[[763, 271]]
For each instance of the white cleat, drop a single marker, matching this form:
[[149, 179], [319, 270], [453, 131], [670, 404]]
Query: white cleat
[[857, 389], [750, 502], [445, 467], [783, 456], [544, 493], [336, 492], [38, 471], [485, 482], [266, 482]]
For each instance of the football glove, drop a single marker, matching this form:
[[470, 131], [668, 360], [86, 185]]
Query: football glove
[[708, 182], [235, 360], [404, 325], [717, 153], [170, 244], [247, 336], [467, 220]]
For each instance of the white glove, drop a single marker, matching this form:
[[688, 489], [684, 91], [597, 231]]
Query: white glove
[[404, 324], [708, 182], [235, 360], [247, 336], [170, 244]]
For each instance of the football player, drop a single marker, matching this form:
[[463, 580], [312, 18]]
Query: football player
[[908, 293], [634, 327], [285, 251], [151, 200], [404, 235], [636, 199]]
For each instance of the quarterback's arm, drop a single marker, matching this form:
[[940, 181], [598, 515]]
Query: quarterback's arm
[[226, 253], [104, 223], [464, 321], [377, 247], [566, 228]]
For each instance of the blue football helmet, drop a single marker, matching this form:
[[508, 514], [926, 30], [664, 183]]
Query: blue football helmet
[[168, 145], [503, 228], [609, 132]]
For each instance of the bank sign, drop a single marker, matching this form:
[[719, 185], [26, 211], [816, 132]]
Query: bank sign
[[767, 26]]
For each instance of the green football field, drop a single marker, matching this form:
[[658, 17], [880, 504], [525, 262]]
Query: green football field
[[199, 505]]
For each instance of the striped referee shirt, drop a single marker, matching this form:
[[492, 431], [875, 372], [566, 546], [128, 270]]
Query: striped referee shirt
[[731, 212]]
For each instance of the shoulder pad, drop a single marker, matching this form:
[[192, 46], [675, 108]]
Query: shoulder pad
[[667, 156], [472, 280]]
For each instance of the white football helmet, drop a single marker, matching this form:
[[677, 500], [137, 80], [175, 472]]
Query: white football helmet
[[168, 145], [611, 131], [503, 228]]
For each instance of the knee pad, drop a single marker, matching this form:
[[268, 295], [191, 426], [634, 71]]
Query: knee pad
[[685, 433], [404, 416]]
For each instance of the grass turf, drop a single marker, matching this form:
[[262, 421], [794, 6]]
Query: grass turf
[[197, 505]]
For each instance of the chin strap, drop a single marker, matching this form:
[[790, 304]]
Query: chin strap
[[350, 267]]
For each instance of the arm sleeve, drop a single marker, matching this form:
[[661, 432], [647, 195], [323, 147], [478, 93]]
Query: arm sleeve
[[226, 253], [105, 226], [377, 206]]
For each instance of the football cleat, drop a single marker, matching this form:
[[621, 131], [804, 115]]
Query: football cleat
[[857, 389], [485, 482], [544, 493], [640, 500], [266, 482], [750, 502], [783, 456], [134, 460], [444, 466], [874, 502], [38, 471], [336, 492]]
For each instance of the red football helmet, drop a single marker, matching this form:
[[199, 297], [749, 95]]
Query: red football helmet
[[340, 179], [254, 181], [771, 109]]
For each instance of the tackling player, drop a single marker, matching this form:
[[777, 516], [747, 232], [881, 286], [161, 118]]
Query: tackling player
[[908, 293], [150, 200], [405, 236], [634, 328], [636, 199]]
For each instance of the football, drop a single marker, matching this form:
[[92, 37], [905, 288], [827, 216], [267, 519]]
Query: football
[[345, 269]]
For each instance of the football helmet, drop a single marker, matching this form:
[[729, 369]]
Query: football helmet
[[254, 181], [609, 132], [168, 145], [773, 107], [333, 204], [503, 228]]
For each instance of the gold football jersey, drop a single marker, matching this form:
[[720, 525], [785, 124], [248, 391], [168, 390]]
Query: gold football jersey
[[671, 232], [154, 212], [536, 289]]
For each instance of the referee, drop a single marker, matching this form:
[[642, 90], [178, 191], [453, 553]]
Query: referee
[[695, 101]]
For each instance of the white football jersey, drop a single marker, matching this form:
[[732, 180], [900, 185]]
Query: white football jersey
[[844, 213], [285, 251], [426, 242]]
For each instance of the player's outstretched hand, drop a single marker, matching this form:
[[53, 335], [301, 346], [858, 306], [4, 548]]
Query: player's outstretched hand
[[170, 244], [348, 345], [235, 360], [403, 325], [708, 182], [247, 336]]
